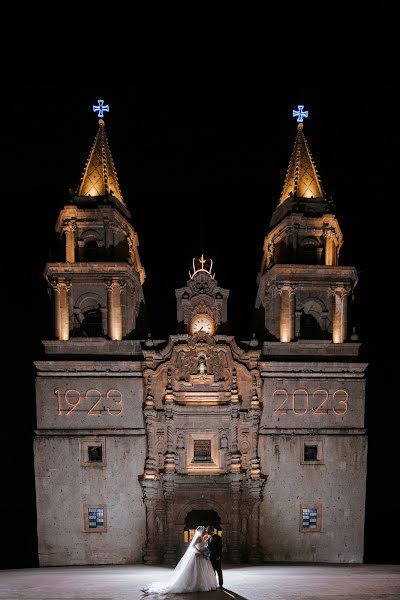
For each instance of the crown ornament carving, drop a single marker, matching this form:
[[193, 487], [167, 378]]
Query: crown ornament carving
[[202, 265]]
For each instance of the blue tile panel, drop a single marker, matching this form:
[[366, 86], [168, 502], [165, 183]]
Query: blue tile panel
[[96, 517], [310, 518]]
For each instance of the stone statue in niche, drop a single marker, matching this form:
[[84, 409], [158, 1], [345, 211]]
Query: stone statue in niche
[[224, 441], [202, 366], [180, 443]]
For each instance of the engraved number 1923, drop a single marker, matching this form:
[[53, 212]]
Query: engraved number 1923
[[92, 402]]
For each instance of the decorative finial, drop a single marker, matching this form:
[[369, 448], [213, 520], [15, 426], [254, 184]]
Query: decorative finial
[[200, 264], [300, 114], [101, 108]]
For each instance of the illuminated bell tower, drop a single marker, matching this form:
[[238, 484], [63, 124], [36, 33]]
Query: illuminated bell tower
[[97, 289], [312, 442], [303, 291], [90, 442]]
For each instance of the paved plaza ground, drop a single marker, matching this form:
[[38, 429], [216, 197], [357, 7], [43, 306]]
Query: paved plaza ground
[[266, 582]]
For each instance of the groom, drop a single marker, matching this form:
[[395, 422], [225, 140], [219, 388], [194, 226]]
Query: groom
[[215, 547]]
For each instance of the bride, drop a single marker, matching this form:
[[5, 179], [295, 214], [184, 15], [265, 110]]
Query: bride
[[193, 573]]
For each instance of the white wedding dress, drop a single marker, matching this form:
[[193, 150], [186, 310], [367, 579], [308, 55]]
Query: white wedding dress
[[193, 573]]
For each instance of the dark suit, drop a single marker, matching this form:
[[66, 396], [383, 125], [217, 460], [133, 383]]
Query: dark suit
[[215, 547]]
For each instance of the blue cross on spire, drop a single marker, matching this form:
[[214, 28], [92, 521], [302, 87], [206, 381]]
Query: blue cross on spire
[[101, 108], [300, 114]]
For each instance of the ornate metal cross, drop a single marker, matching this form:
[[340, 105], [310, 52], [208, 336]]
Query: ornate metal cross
[[300, 114], [101, 108]]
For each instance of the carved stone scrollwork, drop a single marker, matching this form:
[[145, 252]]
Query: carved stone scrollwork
[[149, 403], [234, 388], [202, 283], [255, 401], [169, 396]]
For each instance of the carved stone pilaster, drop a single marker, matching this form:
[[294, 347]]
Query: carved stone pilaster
[[236, 483], [61, 288], [339, 313], [151, 489], [69, 230], [331, 240], [234, 388], [255, 488], [235, 458], [169, 396], [149, 402], [287, 312], [115, 287], [255, 401], [169, 496]]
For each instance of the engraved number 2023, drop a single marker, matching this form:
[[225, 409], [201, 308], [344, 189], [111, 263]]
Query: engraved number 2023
[[322, 402], [92, 402]]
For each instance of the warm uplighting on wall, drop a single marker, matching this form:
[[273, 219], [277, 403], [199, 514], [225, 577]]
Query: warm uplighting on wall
[[116, 328], [284, 333], [337, 333], [330, 252]]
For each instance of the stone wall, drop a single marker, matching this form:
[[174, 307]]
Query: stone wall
[[64, 487], [337, 485]]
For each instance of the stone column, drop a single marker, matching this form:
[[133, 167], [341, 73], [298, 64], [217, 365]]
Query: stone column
[[70, 229], [287, 313], [61, 304], [339, 314], [114, 307], [330, 248]]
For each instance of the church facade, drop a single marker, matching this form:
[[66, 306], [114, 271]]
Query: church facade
[[139, 440]]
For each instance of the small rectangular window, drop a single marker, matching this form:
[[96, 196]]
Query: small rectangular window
[[202, 451], [95, 453], [310, 452]]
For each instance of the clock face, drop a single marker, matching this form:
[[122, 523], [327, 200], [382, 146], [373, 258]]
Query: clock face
[[202, 323]]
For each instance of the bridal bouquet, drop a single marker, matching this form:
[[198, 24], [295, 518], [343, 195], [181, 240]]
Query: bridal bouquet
[[206, 553]]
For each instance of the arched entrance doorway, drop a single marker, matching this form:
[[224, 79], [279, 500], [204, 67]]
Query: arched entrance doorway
[[194, 518]]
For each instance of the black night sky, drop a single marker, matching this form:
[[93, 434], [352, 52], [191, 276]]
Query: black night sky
[[201, 169]]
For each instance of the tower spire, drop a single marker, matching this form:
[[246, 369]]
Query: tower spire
[[302, 179], [100, 177]]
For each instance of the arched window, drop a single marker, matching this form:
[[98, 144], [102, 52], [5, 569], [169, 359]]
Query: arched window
[[309, 251], [88, 316], [90, 251], [92, 325], [310, 329], [313, 320]]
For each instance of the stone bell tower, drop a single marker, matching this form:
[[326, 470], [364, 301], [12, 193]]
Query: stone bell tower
[[97, 289], [312, 440], [90, 442], [303, 291]]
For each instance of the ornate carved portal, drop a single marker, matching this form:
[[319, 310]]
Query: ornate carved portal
[[202, 413], [170, 500]]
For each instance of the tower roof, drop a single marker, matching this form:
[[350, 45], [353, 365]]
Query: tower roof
[[100, 177], [302, 179]]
